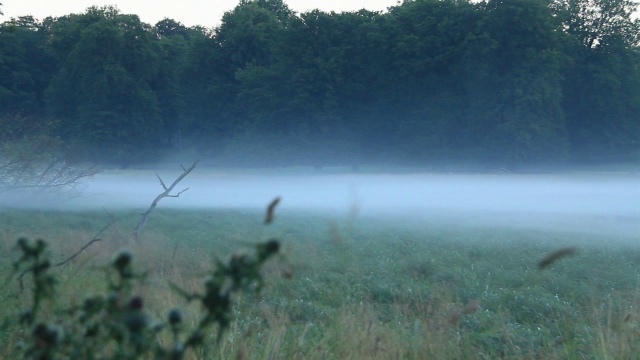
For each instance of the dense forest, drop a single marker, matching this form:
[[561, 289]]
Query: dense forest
[[497, 83]]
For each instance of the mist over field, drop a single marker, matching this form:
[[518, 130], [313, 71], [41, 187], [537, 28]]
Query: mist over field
[[456, 179], [580, 200]]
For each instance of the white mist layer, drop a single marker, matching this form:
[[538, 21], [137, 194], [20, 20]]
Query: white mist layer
[[600, 194]]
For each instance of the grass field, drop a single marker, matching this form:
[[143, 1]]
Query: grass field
[[358, 287]]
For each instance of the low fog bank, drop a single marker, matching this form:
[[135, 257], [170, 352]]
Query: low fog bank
[[541, 199], [597, 194]]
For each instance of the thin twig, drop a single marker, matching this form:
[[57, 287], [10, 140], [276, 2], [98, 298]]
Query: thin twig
[[173, 256], [20, 283], [178, 194], [95, 239], [161, 182]]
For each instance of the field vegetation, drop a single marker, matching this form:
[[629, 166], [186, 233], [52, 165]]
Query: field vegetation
[[354, 287]]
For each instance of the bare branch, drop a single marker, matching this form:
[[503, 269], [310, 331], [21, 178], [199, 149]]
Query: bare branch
[[20, 282], [164, 194], [43, 175], [95, 239], [32, 159], [45, 172], [161, 182], [178, 194]]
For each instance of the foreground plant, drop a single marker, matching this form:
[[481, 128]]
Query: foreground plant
[[116, 325]]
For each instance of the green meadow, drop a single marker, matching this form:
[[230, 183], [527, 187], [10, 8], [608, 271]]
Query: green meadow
[[355, 286]]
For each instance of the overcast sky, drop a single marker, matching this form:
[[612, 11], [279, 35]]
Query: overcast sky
[[188, 12]]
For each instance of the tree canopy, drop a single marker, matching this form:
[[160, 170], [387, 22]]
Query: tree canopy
[[508, 83]]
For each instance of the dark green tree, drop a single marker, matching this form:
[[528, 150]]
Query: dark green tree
[[103, 90], [203, 84], [596, 22], [246, 38], [515, 85], [601, 99], [491, 83], [25, 66], [173, 43], [170, 28], [276, 7], [308, 97], [602, 104], [425, 85]]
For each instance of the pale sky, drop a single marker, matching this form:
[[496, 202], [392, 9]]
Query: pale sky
[[188, 12]]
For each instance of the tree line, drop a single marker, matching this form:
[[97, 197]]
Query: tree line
[[497, 83]]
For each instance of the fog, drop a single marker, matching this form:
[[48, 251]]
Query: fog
[[580, 200], [539, 199]]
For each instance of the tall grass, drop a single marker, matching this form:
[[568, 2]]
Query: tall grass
[[363, 288]]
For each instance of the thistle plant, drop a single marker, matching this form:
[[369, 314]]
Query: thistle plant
[[116, 325]]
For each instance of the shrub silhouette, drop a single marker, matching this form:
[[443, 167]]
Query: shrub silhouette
[[117, 325]]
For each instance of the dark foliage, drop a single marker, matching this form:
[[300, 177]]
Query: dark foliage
[[492, 84], [117, 325]]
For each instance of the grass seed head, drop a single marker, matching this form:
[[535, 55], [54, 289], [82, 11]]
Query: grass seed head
[[271, 210], [555, 256]]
